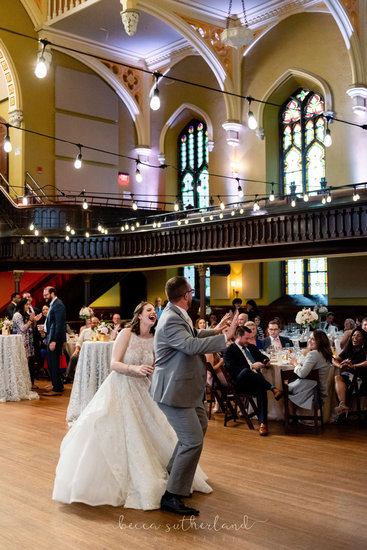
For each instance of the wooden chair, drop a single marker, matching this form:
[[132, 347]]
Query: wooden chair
[[216, 391], [290, 376], [236, 400]]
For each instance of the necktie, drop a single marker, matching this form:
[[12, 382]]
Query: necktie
[[248, 355]]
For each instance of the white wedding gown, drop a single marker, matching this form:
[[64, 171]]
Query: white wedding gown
[[117, 451]]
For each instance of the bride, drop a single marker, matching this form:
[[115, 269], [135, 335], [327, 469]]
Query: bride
[[117, 451]]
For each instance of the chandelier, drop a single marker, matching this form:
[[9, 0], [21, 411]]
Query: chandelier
[[235, 34]]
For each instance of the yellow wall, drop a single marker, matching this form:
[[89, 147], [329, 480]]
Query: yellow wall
[[111, 298]]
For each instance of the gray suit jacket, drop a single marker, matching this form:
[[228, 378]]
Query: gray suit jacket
[[180, 373]]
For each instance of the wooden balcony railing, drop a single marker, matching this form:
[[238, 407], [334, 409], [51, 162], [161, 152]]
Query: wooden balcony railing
[[341, 229]]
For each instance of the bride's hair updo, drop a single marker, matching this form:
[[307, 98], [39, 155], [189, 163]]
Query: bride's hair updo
[[135, 321]]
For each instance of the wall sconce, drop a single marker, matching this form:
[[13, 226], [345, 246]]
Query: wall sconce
[[235, 289]]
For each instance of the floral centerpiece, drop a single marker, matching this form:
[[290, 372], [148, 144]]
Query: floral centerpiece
[[104, 331], [307, 318], [86, 312], [6, 325], [321, 310]]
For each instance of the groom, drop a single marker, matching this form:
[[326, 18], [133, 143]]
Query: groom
[[178, 386]]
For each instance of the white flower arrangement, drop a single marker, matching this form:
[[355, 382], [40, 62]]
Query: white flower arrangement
[[86, 312], [104, 328], [307, 317], [6, 325], [321, 310]]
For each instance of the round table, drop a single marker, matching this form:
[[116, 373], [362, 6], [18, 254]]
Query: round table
[[92, 369], [15, 380]]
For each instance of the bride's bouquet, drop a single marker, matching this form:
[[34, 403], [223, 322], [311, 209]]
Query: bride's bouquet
[[86, 312], [307, 318]]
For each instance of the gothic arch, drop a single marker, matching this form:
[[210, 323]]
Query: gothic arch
[[11, 77], [197, 111], [319, 82]]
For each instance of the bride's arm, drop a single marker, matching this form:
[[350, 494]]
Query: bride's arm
[[118, 352]]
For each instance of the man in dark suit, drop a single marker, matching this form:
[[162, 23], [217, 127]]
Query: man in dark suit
[[279, 342], [244, 361], [55, 328], [329, 324], [10, 310]]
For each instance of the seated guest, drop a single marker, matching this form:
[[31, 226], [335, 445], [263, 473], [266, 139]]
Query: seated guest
[[244, 361], [242, 319], [259, 330], [329, 322], [200, 324], [252, 310], [352, 360], [279, 342], [254, 340], [318, 358], [158, 307], [349, 325], [116, 319], [86, 335], [213, 320], [236, 305], [87, 325], [10, 310], [216, 360]]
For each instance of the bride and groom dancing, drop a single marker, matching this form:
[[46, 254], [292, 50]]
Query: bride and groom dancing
[[122, 450]]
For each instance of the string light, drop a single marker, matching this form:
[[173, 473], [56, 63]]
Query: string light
[[176, 207], [31, 227], [323, 200], [36, 232], [72, 231], [21, 241], [328, 139], [155, 102], [233, 213], [256, 206], [46, 240], [135, 206], [272, 196], [67, 238], [85, 204], [122, 228], [138, 176], [137, 224], [305, 197], [202, 219], [178, 222], [328, 198], [78, 160], [43, 61], [126, 226], [251, 120], [211, 217], [7, 143], [293, 203], [221, 215], [87, 234], [221, 203], [68, 228], [25, 200], [356, 196]]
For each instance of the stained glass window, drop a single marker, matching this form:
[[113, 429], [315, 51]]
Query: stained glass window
[[193, 175], [190, 274], [306, 277], [302, 134]]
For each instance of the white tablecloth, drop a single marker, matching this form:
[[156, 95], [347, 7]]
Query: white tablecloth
[[276, 408], [15, 381], [92, 369]]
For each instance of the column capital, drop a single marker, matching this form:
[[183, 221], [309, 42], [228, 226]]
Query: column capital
[[233, 130], [202, 269], [17, 276], [359, 98]]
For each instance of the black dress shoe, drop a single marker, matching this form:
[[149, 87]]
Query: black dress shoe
[[174, 504]]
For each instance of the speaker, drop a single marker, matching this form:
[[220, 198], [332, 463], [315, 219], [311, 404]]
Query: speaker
[[220, 270]]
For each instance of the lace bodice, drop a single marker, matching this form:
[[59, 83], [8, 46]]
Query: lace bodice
[[139, 351]]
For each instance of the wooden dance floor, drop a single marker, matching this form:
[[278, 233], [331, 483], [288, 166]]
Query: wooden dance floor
[[301, 491]]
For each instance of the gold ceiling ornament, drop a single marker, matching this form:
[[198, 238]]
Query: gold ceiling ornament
[[130, 78], [235, 34], [129, 16]]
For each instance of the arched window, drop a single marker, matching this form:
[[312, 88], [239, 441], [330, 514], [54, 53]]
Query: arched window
[[302, 134], [193, 175]]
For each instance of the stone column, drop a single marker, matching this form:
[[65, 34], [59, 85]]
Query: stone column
[[202, 271], [17, 276], [87, 279]]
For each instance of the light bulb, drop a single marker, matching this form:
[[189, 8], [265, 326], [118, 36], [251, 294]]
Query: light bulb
[[126, 226], [36, 232], [154, 224], [221, 215], [305, 197], [232, 213], [106, 231], [67, 238], [328, 198], [186, 221], [155, 102], [176, 207], [7, 144], [240, 192], [41, 67], [85, 204], [251, 121], [159, 224], [21, 241], [356, 197], [25, 201], [135, 206], [202, 219], [78, 161], [323, 200], [122, 228], [46, 240], [222, 206], [138, 176], [137, 224], [328, 139], [132, 228], [87, 234], [293, 203], [241, 210], [72, 231], [178, 222], [31, 227], [99, 227], [272, 197], [68, 228]]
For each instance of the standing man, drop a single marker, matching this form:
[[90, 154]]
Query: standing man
[[10, 310], [178, 386], [55, 328]]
